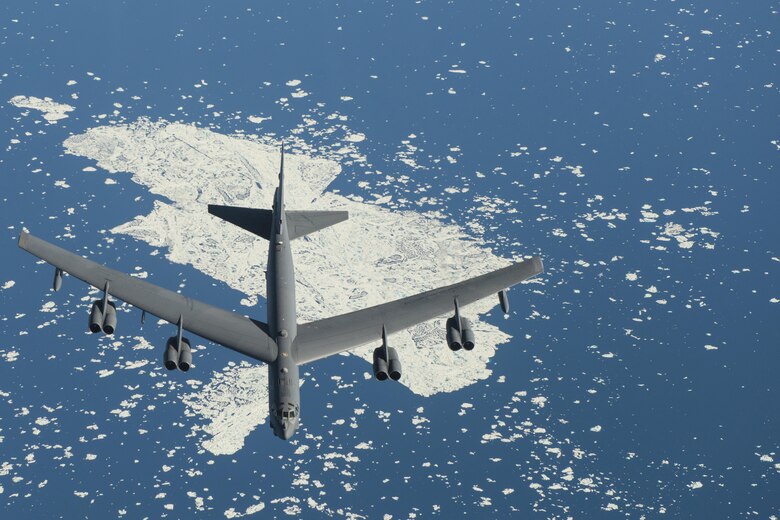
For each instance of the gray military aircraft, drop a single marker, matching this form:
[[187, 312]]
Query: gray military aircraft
[[282, 342]]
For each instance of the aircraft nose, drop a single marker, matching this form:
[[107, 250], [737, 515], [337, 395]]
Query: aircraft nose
[[288, 428]]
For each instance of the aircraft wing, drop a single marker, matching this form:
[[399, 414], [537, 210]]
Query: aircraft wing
[[229, 329], [323, 338]]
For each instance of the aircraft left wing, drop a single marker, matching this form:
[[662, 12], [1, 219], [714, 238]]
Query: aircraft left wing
[[323, 338], [229, 329]]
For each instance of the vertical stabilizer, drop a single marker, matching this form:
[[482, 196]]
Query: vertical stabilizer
[[280, 190]]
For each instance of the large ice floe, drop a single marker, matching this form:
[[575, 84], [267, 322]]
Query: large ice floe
[[52, 111], [377, 255]]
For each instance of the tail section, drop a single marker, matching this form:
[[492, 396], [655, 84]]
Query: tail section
[[257, 221], [261, 221]]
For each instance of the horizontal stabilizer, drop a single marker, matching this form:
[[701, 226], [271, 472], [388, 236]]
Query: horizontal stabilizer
[[300, 223], [257, 221]]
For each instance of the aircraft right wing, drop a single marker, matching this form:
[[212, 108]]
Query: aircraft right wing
[[329, 336]]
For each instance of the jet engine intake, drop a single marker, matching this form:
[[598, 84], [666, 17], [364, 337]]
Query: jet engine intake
[[393, 364], [453, 335], [96, 316], [185, 355], [380, 364], [109, 319], [171, 357], [466, 334], [178, 355]]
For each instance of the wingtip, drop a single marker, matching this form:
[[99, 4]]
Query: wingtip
[[535, 263], [23, 239]]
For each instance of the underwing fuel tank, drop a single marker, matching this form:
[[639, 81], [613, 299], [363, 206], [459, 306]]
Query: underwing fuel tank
[[503, 299], [57, 279]]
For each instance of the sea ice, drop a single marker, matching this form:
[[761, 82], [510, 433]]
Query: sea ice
[[367, 255], [52, 111]]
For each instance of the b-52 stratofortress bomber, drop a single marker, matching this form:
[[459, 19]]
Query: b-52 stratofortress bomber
[[281, 342]]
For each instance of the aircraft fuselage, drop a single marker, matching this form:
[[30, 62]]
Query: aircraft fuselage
[[283, 384]]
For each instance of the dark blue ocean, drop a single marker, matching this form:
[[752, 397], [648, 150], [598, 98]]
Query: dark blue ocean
[[571, 112]]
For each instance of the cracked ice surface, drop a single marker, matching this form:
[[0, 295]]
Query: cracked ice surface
[[233, 403], [378, 255]]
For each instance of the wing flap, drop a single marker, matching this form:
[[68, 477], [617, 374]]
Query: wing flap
[[230, 329], [329, 336]]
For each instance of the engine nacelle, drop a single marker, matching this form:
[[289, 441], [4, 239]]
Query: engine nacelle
[[100, 320], [96, 316], [453, 335], [171, 357], [178, 355], [393, 364], [109, 318], [380, 364], [466, 334], [185, 355]]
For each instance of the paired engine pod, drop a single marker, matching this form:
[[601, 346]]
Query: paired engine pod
[[453, 335], [109, 320], [185, 355], [96, 316], [171, 357], [380, 364], [466, 334], [102, 320]]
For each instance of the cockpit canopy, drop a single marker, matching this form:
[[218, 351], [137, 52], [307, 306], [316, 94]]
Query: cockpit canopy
[[287, 411]]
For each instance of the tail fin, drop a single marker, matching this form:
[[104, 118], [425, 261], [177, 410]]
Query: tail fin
[[261, 221], [257, 221], [300, 223], [280, 189]]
